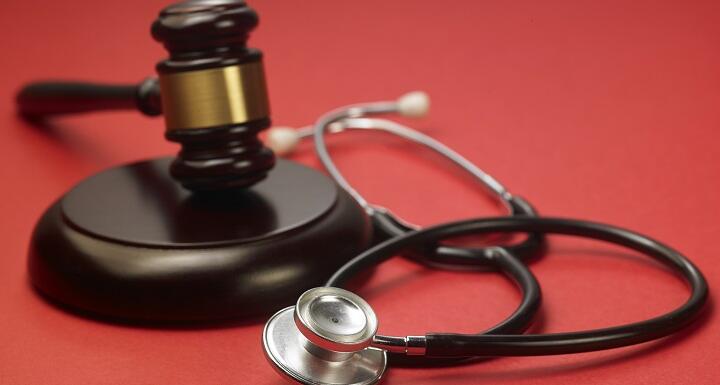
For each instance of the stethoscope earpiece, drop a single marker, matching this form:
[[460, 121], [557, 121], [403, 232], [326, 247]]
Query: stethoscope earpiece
[[415, 104], [325, 339]]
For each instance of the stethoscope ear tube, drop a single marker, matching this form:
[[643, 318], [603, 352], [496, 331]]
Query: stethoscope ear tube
[[388, 225]]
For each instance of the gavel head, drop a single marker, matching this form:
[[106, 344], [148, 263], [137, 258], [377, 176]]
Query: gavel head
[[214, 97]]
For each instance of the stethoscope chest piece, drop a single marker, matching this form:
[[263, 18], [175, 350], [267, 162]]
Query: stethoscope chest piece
[[325, 340]]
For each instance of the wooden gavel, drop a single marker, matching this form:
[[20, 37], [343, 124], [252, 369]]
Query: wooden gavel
[[211, 91]]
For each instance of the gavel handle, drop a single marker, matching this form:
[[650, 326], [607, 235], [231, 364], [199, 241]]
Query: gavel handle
[[45, 99]]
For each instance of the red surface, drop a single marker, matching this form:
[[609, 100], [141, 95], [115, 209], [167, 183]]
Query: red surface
[[604, 110]]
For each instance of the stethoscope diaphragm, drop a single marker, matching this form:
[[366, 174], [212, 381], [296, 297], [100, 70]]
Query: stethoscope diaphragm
[[324, 339]]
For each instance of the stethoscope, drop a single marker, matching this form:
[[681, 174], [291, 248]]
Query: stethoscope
[[330, 335]]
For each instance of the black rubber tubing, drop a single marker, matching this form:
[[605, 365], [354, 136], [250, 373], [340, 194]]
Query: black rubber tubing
[[386, 226], [496, 257], [443, 345]]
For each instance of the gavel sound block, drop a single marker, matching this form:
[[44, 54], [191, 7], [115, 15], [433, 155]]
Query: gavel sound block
[[229, 231]]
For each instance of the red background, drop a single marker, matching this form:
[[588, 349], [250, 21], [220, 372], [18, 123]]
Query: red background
[[606, 110]]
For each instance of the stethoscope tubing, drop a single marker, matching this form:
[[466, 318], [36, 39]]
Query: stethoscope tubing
[[442, 345], [462, 258], [517, 322]]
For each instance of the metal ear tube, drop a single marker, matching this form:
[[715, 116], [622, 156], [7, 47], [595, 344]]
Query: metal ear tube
[[386, 224]]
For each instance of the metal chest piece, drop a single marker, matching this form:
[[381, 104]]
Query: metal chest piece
[[325, 339]]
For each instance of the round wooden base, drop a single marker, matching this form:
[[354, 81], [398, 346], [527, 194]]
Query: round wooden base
[[130, 243]]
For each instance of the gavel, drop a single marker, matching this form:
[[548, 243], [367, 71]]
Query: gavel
[[211, 91], [218, 237]]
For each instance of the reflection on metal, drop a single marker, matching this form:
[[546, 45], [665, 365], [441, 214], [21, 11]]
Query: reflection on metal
[[214, 97]]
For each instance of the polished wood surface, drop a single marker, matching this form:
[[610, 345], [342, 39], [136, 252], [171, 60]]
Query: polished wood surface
[[131, 244]]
